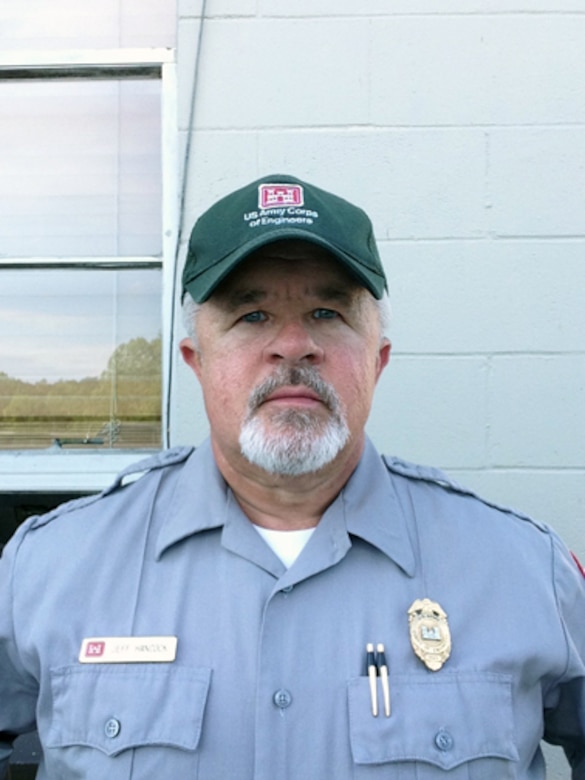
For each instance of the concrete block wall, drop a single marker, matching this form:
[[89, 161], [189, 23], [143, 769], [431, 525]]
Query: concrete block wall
[[460, 127], [461, 132]]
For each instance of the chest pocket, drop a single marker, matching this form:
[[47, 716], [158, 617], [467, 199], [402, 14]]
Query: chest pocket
[[115, 708], [456, 722]]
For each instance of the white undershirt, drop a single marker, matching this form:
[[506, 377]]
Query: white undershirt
[[286, 544]]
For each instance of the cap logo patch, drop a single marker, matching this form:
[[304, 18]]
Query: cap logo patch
[[273, 195], [280, 205]]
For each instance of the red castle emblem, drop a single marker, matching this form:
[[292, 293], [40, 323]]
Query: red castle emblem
[[272, 196], [95, 649]]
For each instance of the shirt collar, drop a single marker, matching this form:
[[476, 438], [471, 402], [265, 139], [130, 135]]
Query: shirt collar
[[198, 501], [367, 507], [374, 513]]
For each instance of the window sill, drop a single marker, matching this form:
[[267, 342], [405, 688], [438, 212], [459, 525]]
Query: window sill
[[62, 470]]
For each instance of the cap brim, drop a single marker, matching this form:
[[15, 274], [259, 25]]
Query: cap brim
[[203, 285]]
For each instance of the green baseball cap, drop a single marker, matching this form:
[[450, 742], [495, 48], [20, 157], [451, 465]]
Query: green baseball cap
[[276, 208]]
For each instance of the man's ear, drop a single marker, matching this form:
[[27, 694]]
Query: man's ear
[[383, 356], [191, 356]]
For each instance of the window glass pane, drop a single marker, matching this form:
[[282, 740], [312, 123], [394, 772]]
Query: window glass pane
[[81, 168], [75, 24], [80, 358]]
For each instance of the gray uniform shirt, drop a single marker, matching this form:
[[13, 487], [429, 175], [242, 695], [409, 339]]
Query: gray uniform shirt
[[269, 680]]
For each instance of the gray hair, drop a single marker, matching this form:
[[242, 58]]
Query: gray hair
[[191, 310], [384, 313]]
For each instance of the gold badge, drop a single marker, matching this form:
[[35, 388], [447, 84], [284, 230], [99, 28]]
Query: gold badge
[[429, 633]]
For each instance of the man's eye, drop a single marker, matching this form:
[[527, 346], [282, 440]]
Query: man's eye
[[324, 314], [254, 316]]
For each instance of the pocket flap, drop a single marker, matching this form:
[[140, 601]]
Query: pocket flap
[[443, 720], [114, 708]]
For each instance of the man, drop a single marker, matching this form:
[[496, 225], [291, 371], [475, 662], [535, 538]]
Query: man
[[282, 602]]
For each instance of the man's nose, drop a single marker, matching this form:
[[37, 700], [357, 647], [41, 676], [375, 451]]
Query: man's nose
[[294, 343]]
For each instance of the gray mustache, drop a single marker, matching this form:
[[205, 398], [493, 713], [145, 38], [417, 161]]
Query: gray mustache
[[290, 377]]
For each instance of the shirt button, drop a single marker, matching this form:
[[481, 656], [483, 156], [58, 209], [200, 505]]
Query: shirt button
[[112, 728], [287, 589], [282, 699], [444, 741]]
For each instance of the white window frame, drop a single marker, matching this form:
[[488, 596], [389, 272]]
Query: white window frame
[[56, 469]]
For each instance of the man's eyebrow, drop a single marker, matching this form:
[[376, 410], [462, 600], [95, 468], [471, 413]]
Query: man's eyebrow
[[335, 293], [244, 297]]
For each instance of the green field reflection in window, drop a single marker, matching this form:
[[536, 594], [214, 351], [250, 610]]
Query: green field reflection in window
[[80, 358]]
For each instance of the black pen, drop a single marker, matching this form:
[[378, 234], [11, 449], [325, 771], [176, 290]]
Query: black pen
[[372, 675], [383, 670]]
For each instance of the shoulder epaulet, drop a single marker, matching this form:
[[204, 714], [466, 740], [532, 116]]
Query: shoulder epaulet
[[135, 470], [131, 473], [438, 477], [416, 471]]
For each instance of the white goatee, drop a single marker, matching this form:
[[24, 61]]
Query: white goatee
[[293, 442]]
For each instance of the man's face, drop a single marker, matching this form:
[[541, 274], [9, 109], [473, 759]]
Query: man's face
[[289, 352]]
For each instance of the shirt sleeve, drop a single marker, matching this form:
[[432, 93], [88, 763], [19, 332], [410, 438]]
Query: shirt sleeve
[[565, 702], [18, 690]]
